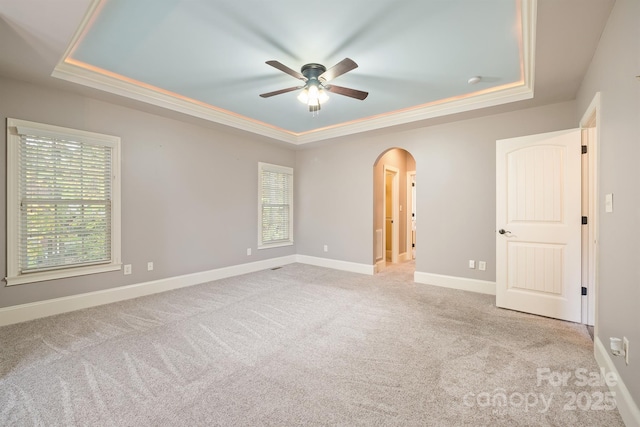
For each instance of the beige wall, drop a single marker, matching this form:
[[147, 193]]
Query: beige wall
[[189, 193], [455, 168], [613, 72]]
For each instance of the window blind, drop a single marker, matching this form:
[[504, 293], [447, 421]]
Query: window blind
[[276, 197], [65, 192]]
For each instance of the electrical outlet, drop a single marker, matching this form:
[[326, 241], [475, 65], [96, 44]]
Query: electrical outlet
[[127, 269], [248, 251], [326, 248], [482, 265], [625, 348], [149, 266], [472, 264]]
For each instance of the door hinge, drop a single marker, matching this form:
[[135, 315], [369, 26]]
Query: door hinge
[[585, 220], [413, 184], [413, 245], [584, 290], [584, 149]]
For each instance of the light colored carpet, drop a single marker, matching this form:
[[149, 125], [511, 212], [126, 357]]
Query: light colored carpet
[[300, 345]]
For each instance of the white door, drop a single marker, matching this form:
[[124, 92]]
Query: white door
[[538, 221]]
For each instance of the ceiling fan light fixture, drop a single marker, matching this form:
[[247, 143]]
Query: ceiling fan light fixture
[[304, 96], [323, 96], [313, 95]]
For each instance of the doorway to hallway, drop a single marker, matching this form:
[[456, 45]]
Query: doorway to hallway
[[395, 218]]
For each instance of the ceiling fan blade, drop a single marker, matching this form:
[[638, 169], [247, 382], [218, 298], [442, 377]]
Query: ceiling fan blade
[[278, 92], [339, 69], [284, 68], [352, 93]]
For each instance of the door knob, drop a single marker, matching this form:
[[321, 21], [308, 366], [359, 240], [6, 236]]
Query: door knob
[[503, 231]]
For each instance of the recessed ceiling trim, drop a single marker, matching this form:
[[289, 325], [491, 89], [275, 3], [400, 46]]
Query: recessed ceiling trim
[[85, 74], [474, 102], [529, 17], [75, 73]]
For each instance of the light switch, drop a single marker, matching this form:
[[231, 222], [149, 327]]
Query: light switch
[[608, 203]]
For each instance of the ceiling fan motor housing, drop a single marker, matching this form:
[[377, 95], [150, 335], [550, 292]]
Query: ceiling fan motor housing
[[312, 71]]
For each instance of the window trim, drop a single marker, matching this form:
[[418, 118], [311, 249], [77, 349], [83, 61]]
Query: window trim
[[278, 169], [14, 276]]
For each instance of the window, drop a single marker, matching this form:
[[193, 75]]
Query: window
[[63, 202], [275, 205]]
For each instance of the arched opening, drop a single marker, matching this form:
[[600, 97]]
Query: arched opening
[[394, 209]]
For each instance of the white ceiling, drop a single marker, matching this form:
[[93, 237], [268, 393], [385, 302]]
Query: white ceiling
[[207, 58]]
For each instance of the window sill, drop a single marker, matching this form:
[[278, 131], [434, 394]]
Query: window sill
[[61, 274], [275, 245]]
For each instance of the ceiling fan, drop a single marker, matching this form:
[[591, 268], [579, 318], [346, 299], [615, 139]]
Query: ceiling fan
[[316, 78]]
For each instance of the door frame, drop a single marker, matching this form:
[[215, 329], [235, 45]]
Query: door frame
[[590, 123], [395, 223], [410, 208]]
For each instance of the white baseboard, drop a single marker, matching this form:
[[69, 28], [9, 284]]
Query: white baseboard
[[404, 256], [336, 264], [463, 283], [626, 406], [36, 310]]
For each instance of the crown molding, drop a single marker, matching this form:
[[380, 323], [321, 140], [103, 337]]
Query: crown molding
[[80, 75], [430, 111]]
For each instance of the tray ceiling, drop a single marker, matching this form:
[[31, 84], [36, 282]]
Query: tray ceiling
[[207, 59]]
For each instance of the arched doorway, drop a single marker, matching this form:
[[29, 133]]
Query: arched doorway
[[394, 210]]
